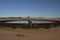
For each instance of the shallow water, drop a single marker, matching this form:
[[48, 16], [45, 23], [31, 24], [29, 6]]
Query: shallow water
[[31, 21]]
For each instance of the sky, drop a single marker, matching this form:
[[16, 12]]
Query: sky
[[33, 8]]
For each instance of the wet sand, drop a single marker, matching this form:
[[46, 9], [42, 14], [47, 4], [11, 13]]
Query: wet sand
[[29, 34]]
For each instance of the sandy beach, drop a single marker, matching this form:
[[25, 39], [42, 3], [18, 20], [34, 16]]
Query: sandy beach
[[30, 34]]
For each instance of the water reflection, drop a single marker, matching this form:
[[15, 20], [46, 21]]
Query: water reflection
[[26, 25], [31, 21]]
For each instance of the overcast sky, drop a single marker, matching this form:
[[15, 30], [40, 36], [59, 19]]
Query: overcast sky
[[41, 8]]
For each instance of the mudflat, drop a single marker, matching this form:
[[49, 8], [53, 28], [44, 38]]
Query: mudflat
[[30, 34]]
